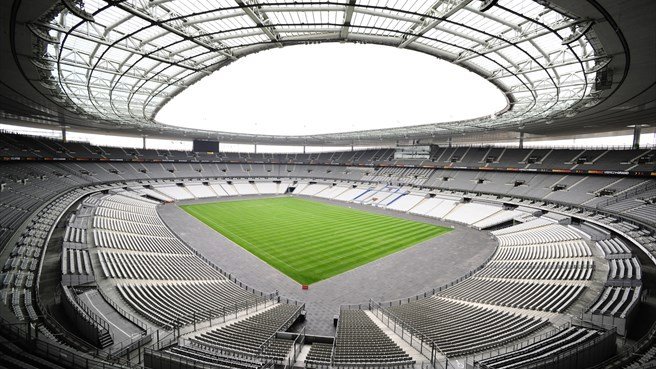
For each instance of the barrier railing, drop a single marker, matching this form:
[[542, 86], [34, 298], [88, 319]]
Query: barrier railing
[[581, 355], [296, 349], [422, 343], [25, 336], [124, 348], [630, 353], [138, 322], [169, 360], [283, 327], [207, 318], [87, 323], [649, 185], [521, 344], [96, 319], [172, 338]]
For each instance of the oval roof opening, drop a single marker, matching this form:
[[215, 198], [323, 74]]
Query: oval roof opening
[[332, 88]]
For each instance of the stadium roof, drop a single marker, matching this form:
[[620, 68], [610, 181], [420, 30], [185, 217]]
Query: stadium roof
[[111, 65]]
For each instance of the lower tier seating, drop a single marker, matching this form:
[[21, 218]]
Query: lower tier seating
[[532, 355], [133, 265], [459, 329], [179, 303], [553, 297], [254, 335], [360, 341], [319, 355], [616, 301]]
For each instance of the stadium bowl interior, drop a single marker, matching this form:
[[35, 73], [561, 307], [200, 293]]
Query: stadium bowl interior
[[423, 246]]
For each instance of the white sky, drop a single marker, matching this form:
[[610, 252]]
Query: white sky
[[328, 88]]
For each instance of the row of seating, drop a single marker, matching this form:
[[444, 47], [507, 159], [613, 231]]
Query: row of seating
[[124, 226], [556, 250], [75, 235], [129, 216], [616, 301], [16, 279], [320, 355], [531, 356], [458, 328], [203, 356], [175, 192], [544, 296], [130, 199], [155, 266], [75, 261], [22, 262], [12, 145], [541, 235], [138, 242], [359, 341], [624, 269], [111, 203], [498, 218], [255, 335], [537, 270], [613, 246], [172, 303], [530, 224], [470, 213]]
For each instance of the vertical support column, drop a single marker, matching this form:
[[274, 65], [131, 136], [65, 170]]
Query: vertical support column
[[521, 139], [449, 141], [303, 149], [63, 133], [637, 129], [143, 142], [255, 145]]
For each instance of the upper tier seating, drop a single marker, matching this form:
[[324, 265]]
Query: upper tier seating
[[12, 145]]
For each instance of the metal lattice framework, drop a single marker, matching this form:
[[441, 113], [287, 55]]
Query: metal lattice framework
[[121, 61]]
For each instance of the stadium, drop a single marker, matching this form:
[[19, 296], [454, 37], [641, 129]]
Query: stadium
[[152, 217]]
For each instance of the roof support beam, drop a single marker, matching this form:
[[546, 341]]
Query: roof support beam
[[250, 7], [500, 45], [173, 30], [438, 12], [119, 47], [502, 73], [348, 16], [116, 72]]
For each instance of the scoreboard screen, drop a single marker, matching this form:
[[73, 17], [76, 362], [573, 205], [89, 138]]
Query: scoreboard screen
[[206, 146]]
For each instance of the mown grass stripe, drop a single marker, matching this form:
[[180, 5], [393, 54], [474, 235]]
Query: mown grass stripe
[[310, 241]]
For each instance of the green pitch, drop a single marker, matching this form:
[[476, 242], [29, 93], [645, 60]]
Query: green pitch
[[310, 241]]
